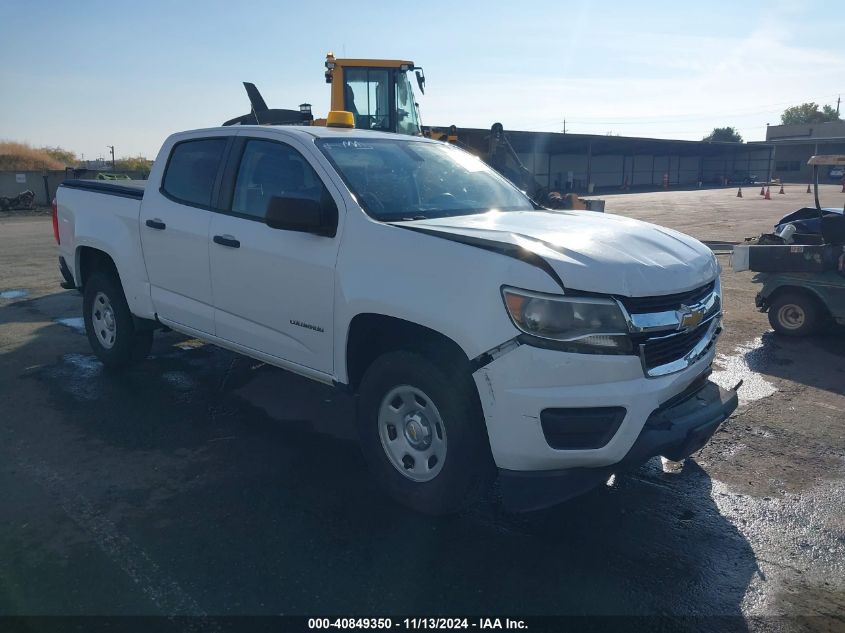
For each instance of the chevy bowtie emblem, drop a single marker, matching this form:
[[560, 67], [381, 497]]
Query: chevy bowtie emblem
[[689, 317]]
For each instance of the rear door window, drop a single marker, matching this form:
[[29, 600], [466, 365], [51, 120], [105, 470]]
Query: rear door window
[[192, 170]]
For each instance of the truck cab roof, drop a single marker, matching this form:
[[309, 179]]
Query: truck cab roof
[[314, 131]]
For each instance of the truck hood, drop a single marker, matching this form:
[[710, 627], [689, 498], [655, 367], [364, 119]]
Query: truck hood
[[589, 251]]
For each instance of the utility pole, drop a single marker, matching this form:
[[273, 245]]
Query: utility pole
[[111, 147], [564, 126], [838, 99]]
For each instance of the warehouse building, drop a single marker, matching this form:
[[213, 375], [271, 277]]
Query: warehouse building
[[794, 144], [588, 162]]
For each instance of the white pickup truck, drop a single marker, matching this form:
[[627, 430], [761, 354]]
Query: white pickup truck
[[482, 335]]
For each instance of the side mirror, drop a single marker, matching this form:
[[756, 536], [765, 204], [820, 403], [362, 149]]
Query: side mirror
[[421, 80], [303, 215]]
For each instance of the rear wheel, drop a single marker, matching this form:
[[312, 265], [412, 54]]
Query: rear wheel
[[109, 325], [795, 314], [422, 433]]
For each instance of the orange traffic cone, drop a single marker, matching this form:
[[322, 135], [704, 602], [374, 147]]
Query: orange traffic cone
[[781, 188], [739, 193], [808, 188], [843, 185], [768, 195], [763, 190]]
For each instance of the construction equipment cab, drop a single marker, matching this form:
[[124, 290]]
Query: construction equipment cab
[[377, 92]]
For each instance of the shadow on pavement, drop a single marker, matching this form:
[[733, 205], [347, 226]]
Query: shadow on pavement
[[815, 361]]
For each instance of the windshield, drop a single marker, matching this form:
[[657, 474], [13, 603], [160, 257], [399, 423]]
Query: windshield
[[407, 180], [406, 109]]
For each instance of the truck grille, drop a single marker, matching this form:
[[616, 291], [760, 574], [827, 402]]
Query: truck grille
[[662, 303], [661, 347], [657, 351]]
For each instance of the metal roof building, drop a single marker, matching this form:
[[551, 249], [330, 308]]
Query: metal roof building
[[571, 162], [794, 144]]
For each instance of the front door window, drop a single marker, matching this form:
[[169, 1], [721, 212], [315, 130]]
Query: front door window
[[269, 169]]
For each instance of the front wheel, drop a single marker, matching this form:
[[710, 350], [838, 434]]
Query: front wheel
[[109, 325], [794, 314], [422, 433]]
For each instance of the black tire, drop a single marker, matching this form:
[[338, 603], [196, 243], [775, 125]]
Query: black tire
[[130, 345], [795, 314], [467, 468]]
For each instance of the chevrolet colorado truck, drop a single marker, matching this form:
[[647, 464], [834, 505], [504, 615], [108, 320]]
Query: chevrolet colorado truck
[[482, 335]]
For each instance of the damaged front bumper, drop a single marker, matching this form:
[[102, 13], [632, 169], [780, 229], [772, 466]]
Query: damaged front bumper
[[675, 430]]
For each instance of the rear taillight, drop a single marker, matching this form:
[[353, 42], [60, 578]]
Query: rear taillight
[[56, 221]]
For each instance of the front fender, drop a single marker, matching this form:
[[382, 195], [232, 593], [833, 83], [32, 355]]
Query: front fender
[[453, 289]]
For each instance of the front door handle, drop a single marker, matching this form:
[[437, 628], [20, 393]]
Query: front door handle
[[156, 224], [227, 240]]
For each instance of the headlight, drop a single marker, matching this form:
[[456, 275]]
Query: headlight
[[577, 324]]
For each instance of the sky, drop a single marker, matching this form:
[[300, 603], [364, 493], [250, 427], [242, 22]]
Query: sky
[[85, 75]]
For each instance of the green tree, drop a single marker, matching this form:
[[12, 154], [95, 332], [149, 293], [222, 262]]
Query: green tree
[[808, 113], [724, 134], [830, 112]]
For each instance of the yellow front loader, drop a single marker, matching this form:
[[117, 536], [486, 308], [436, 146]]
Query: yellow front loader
[[379, 95], [377, 92]]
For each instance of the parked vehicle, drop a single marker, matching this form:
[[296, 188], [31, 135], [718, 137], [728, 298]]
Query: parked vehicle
[[807, 220], [836, 173], [801, 266], [481, 333], [743, 178], [801, 304]]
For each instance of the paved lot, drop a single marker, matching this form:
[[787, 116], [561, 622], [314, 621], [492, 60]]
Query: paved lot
[[204, 483], [717, 214]]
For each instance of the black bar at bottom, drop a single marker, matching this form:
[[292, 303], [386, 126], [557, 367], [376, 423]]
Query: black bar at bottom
[[285, 624]]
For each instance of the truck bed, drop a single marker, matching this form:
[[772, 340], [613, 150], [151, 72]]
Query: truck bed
[[124, 188], [103, 215]]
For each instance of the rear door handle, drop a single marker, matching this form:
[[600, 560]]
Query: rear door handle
[[156, 224], [227, 240]]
